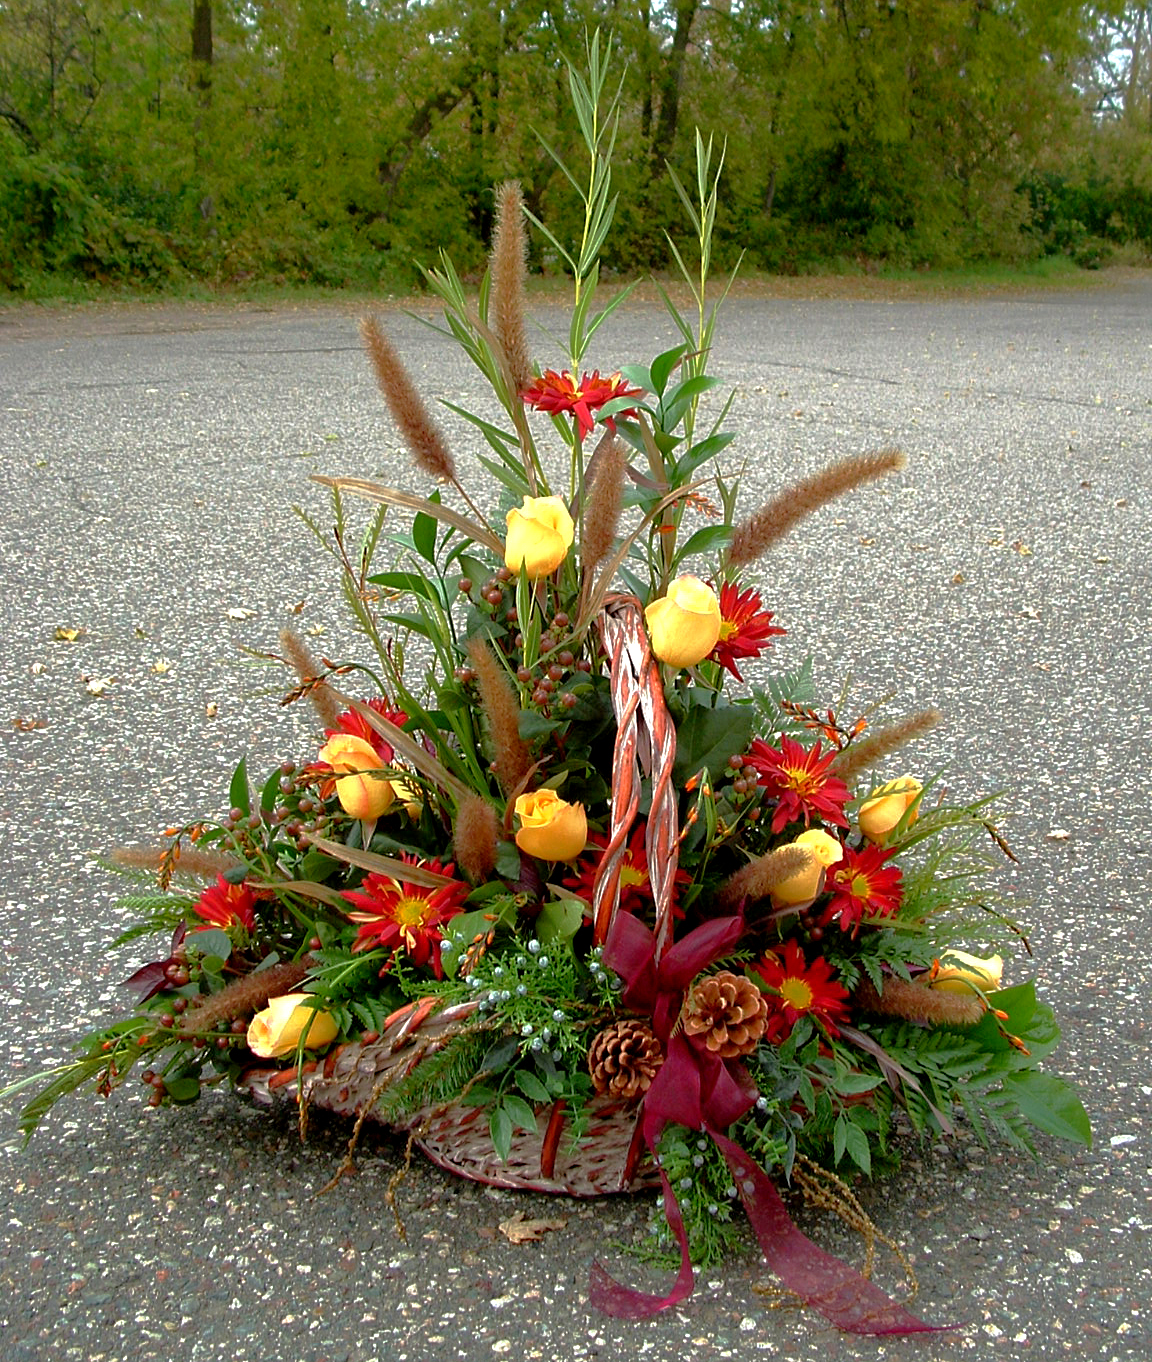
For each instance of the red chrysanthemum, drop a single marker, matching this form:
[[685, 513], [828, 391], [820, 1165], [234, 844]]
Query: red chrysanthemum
[[400, 915], [744, 628], [557, 393], [352, 722], [635, 884], [800, 782], [226, 905], [797, 989], [862, 886]]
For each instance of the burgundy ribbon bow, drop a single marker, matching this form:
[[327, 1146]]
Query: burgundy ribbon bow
[[697, 1089]]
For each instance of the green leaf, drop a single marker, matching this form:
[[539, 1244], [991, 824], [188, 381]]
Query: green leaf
[[211, 944], [663, 367], [238, 792], [1050, 1104], [415, 582], [270, 792], [508, 860], [857, 1144], [705, 540], [531, 1087], [708, 737], [182, 1090], [424, 534], [559, 920], [522, 1115], [840, 1137], [682, 396], [500, 1128], [532, 724]]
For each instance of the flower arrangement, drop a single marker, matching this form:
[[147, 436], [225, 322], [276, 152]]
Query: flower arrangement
[[586, 889]]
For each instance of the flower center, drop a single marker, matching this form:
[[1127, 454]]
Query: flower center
[[632, 876], [410, 912], [860, 887], [796, 993], [801, 780]]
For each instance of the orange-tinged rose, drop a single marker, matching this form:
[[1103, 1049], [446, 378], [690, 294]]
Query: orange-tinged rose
[[550, 827], [887, 805], [540, 533], [276, 1030], [823, 851], [958, 970], [361, 794], [684, 623]]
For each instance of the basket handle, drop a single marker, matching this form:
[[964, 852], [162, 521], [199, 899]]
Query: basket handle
[[645, 745]]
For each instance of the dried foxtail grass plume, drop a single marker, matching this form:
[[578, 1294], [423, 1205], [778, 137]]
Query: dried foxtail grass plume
[[243, 996], [195, 864], [324, 700], [511, 758], [420, 432], [864, 754], [758, 878], [778, 517], [474, 838], [508, 267], [919, 1003], [605, 498]]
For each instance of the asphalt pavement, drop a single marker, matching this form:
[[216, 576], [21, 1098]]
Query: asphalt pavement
[[151, 458]]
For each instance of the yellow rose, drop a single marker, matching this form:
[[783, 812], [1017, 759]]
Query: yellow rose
[[539, 536], [684, 623], [886, 806], [823, 851], [277, 1029], [550, 827], [361, 795], [958, 970]]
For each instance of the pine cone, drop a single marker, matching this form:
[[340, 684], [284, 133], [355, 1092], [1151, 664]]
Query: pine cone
[[623, 1059], [729, 1014]]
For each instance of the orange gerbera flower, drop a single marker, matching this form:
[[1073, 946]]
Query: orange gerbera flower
[[400, 915], [226, 905], [800, 782], [797, 989], [744, 628], [557, 393], [863, 886]]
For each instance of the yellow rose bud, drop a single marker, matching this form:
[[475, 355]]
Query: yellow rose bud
[[550, 827], [361, 795], [958, 970], [539, 536], [277, 1029], [823, 851], [684, 623], [886, 806]]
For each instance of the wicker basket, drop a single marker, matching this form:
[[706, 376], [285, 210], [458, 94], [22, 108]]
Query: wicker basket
[[610, 1155]]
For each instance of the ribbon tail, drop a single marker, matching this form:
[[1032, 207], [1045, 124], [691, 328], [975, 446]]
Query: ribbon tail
[[820, 1279], [622, 1302]]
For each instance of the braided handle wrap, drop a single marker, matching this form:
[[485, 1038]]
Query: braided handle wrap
[[645, 745]]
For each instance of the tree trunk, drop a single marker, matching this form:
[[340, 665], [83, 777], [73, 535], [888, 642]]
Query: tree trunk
[[671, 85], [202, 46]]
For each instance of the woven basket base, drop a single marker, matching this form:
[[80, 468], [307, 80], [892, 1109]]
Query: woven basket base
[[608, 1158]]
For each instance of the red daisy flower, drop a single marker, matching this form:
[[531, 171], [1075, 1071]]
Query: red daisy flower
[[226, 905], [635, 884], [797, 989], [556, 393], [800, 782], [352, 722], [863, 886], [400, 915], [744, 628]]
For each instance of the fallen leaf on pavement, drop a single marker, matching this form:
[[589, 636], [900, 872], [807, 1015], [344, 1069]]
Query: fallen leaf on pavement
[[520, 1230]]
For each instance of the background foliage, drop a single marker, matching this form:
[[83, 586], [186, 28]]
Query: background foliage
[[336, 141]]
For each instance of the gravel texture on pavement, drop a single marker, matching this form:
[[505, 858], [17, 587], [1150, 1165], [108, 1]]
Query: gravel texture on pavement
[[151, 460]]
